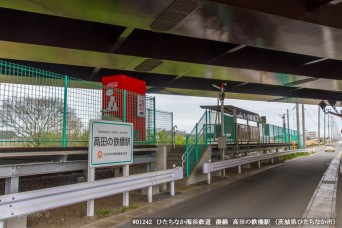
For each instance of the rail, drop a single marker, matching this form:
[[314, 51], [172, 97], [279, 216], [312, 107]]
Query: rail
[[39, 168], [57, 153], [210, 167], [20, 204]]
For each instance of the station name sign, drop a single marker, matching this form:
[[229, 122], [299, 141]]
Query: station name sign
[[248, 116], [110, 143]]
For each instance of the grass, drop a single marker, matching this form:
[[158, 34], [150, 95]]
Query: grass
[[296, 155], [133, 206], [104, 212], [124, 209]]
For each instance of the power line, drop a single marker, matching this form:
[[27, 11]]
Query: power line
[[311, 118]]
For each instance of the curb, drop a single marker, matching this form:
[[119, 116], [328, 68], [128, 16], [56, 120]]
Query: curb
[[323, 202]]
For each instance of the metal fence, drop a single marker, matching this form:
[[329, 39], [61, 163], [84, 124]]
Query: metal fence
[[208, 130], [274, 134], [44, 109]]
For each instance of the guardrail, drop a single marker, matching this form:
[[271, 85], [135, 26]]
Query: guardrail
[[12, 172], [20, 204], [57, 153], [210, 167]]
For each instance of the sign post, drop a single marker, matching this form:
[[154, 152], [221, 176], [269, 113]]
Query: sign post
[[110, 144]]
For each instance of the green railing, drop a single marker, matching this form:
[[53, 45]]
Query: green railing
[[196, 143], [274, 134], [45, 109], [208, 130]]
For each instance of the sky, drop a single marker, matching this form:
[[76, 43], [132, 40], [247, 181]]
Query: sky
[[187, 112]]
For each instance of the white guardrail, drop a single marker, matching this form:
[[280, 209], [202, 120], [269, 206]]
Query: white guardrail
[[220, 165], [20, 204]]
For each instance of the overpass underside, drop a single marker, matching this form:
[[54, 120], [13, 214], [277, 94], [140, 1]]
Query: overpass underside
[[288, 51]]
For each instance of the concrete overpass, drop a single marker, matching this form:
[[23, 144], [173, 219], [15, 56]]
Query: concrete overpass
[[287, 51]]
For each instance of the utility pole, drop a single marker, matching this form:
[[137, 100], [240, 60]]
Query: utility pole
[[298, 128], [324, 142], [284, 128], [332, 128], [319, 125], [328, 128], [303, 123], [222, 140], [288, 128]]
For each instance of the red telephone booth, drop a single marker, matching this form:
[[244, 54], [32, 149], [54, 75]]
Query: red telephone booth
[[124, 99]]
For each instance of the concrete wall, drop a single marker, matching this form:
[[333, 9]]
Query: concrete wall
[[197, 174]]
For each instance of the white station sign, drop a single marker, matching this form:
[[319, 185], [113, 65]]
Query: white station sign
[[110, 143]]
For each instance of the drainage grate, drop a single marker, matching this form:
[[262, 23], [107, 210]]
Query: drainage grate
[[328, 182], [148, 65], [173, 14]]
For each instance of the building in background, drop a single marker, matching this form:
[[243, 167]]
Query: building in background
[[311, 134]]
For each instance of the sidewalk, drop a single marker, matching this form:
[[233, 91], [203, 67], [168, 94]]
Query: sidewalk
[[323, 201]]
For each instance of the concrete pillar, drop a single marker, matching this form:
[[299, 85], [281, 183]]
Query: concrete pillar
[[161, 161], [239, 169]]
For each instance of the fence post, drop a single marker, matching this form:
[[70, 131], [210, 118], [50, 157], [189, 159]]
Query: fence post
[[148, 116], [187, 155], [196, 142], [210, 139], [154, 122], [65, 110], [172, 130], [206, 127], [125, 106]]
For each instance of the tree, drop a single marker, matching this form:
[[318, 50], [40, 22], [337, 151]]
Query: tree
[[36, 120]]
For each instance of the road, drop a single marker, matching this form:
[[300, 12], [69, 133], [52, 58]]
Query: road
[[280, 192]]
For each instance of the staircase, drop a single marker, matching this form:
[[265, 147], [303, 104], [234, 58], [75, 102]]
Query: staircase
[[174, 156]]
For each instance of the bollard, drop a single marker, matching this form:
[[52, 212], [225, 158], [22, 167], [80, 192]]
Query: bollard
[[209, 175], [172, 184], [172, 188], [149, 194]]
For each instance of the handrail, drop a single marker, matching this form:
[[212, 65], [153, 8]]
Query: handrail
[[193, 152]]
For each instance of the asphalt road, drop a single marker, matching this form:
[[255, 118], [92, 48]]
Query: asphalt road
[[281, 192]]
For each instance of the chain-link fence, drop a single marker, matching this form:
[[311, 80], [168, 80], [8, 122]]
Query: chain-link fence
[[44, 109]]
